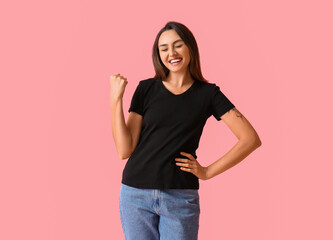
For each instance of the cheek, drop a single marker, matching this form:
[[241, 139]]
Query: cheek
[[163, 57], [188, 57], [185, 53]]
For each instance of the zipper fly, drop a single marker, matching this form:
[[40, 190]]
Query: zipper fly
[[157, 199]]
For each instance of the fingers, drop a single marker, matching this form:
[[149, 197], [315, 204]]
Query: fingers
[[188, 155], [117, 75], [186, 168], [191, 165], [183, 159], [185, 163]]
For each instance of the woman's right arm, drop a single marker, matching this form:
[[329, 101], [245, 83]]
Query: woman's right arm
[[126, 136]]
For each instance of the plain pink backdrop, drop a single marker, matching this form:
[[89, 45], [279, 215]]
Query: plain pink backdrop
[[60, 173]]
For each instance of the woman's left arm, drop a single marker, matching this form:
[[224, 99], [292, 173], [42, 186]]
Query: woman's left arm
[[248, 141]]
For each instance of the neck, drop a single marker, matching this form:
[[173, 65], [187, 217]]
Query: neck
[[179, 79]]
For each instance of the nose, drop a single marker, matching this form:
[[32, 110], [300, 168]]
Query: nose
[[173, 51]]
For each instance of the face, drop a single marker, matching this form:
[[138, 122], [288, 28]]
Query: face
[[172, 46]]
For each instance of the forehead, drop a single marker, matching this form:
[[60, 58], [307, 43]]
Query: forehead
[[168, 37]]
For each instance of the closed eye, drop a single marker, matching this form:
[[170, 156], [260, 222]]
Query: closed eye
[[176, 47]]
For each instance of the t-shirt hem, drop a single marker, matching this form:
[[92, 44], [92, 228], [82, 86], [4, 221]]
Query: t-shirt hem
[[157, 186]]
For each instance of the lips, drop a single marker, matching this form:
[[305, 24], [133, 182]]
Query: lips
[[175, 59]]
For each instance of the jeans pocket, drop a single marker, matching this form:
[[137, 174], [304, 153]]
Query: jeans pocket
[[194, 204], [192, 197], [192, 200]]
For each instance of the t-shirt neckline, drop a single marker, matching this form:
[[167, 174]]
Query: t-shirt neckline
[[181, 94]]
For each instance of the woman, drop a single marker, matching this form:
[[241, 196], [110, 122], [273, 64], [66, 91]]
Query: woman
[[159, 190]]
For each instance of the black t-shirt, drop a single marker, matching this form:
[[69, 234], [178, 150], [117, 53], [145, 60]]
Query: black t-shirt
[[171, 124]]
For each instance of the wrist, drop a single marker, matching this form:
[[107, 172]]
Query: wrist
[[207, 173], [115, 100]]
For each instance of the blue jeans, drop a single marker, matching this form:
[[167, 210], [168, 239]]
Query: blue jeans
[[153, 214]]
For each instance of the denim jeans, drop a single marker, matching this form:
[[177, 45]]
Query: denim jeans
[[153, 214]]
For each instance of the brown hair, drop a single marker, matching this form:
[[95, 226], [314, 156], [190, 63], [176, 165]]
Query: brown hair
[[161, 72]]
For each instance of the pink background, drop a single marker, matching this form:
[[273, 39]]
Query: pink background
[[60, 173]]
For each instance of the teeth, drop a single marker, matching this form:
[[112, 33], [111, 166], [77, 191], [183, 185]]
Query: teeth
[[177, 60]]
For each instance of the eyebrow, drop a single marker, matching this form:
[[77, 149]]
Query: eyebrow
[[173, 43]]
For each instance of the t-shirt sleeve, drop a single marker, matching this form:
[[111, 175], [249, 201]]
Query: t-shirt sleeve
[[220, 103], [137, 100]]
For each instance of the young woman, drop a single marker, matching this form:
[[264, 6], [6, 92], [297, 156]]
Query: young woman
[[159, 190]]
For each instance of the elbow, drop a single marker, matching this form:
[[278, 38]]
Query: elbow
[[253, 141], [124, 152], [124, 156], [258, 142]]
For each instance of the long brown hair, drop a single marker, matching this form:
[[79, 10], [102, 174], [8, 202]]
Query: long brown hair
[[161, 72]]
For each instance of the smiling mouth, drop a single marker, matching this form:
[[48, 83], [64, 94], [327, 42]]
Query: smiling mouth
[[175, 62]]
